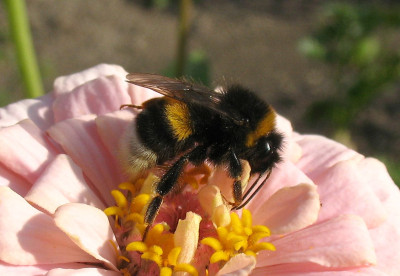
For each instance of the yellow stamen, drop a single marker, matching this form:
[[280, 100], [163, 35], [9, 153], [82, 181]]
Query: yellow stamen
[[135, 217], [165, 271], [247, 219], [152, 257], [212, 242], [236, 224], [139, 202], [186, 268], [261, 228], [219, 256], [128, 186], [137, 246], [124, 258], [114, 211], [238, 237], [254, 238], [119, 198], [173, 255], [156, 249], [262, 246]]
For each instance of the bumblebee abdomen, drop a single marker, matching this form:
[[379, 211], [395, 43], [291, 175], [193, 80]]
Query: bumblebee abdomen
[[162, 129], [178, 117]]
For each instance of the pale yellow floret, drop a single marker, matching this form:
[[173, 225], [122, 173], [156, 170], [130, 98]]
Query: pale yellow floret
[[148, 184], [159, 246]]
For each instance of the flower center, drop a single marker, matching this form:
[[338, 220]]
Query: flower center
[[173, 244], [240, 236]]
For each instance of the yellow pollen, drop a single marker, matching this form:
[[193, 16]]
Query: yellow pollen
[[159, 248], [129, 209], [139, 202], [119, 198], [128, 186], [117, 253], [165, 271], [240, 236]]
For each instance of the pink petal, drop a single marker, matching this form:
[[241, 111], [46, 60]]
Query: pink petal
[[239, 265], [344, 190], [315, 270], [67, 83], [284, 175], [378, 179], [289, 209], [25, 150], [90, 229], [343, 242], [38, 110], [319, 154], [111, 128], [18, 270], [29, 237], [82, 272], [99, 96], [13, 181], [62, 182], [386, 237], [80, 140]]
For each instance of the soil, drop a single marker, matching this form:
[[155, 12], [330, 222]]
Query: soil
[[251, 42]]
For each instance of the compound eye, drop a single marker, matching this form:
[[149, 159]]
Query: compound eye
[[264, 147], [267, 147]]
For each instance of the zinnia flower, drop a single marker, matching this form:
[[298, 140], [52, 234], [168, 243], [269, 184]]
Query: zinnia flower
[[67, 208]]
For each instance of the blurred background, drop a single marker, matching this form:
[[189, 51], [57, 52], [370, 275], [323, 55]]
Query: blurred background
[[330, 67]]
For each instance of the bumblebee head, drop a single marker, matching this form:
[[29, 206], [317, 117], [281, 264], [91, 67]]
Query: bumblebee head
[[265, 153]]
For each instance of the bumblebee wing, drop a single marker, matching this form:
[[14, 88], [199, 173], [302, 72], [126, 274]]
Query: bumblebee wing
[[184, 91]]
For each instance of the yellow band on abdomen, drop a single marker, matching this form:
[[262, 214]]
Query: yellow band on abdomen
[[179, 119]]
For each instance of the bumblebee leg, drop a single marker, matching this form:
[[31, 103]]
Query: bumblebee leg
[[168, 181], [249, 194], [235, 170], [165, 185]]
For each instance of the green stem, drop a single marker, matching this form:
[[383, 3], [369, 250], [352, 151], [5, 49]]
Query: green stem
[[185, 7], [26, 58]]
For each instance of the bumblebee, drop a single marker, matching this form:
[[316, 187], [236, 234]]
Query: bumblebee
[[193, 123]]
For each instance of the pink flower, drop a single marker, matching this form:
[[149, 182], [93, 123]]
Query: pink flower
[[329, 209]]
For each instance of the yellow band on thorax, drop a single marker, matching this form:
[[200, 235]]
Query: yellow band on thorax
[[266, 125]]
